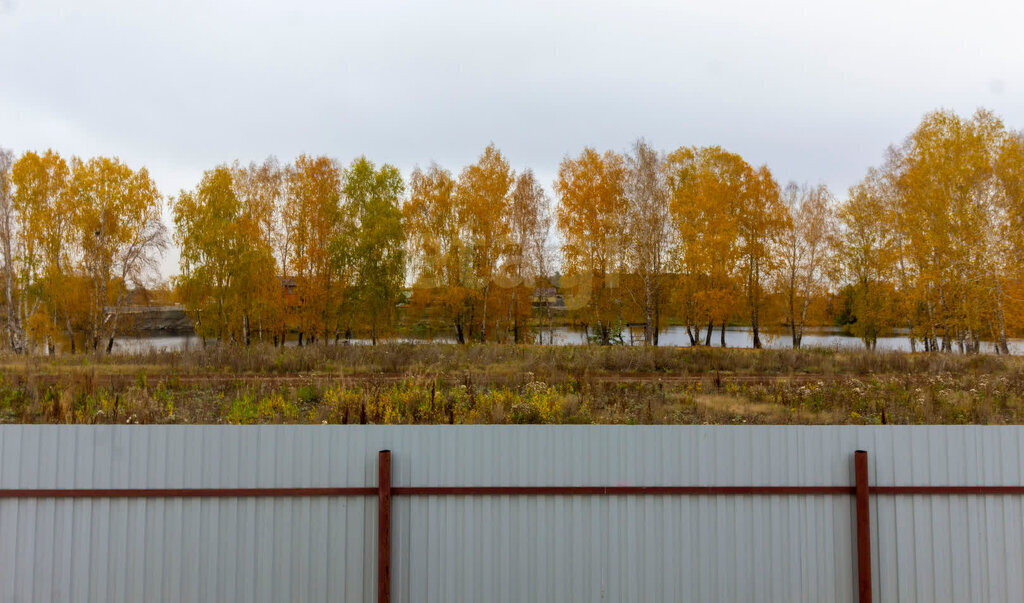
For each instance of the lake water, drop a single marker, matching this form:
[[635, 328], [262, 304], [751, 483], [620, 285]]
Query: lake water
[[735, 337]]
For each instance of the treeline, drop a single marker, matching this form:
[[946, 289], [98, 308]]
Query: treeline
[[931, 242]]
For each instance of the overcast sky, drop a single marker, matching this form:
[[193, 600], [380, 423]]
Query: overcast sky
[[816, 90]]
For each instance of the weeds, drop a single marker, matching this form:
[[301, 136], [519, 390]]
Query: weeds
[[448, 384], [550, 363]]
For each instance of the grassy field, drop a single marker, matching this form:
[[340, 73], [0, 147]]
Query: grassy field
[[436, 383]]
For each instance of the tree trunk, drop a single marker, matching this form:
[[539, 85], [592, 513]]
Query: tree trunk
[[551, 325], [483, 321], [792, 309], [798, 328], [101, 299], [515, 311], [1001, 343], [711, 330], [753, 283], [71, 334], [15, 335], [649, 311], [657, 320], [722, 341]]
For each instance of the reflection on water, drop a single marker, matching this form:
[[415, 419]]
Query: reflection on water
[[743, 337], [735, 337], [156, 343]]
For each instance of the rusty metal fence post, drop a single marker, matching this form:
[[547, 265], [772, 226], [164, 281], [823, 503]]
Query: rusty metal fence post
[[384, 527], [860, 470]]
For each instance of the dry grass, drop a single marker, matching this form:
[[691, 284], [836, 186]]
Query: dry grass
[[507, 384], [509, 360]]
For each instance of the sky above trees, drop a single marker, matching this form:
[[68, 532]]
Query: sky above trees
[[816, 92]]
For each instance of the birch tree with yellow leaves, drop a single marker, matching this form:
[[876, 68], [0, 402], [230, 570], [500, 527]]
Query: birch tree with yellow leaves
[[378, 254], [649, 233], [226, 260], [440, 260], [528, 262], [865, 245], [119, 231], [762, 220], [706, 186], [259, 189], [591, 212], [14, 332], [320, 232], [805, 252], [945, 197], [46, 249], [1011, 224], [483, 196]]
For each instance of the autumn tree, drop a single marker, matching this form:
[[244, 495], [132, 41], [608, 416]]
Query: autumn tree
[[320, 234], [1010, 222], [14, 333], [259, 188], [47, 250], [945, 201], [804, 252], [591, 212], [907, 286], [951, 207], [120, 236], [483, 193], [761, 223], [378, 254], [648, 232], [706, 188], [441, 261], [224, 259], [864, 246], [264, 186], [528, 257]]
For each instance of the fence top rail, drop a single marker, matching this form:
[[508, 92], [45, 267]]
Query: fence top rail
[[181, 492], [511, 491]]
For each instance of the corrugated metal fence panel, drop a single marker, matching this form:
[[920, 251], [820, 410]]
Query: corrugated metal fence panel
[[502, 548], [628, 548], [249, 549], [948, 548]]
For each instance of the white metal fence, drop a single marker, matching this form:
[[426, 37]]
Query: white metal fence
[[507, 548]]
